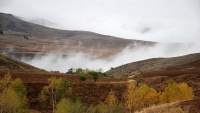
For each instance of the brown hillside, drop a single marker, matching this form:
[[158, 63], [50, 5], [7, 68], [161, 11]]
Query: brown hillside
[[10, 64], [155, 64]]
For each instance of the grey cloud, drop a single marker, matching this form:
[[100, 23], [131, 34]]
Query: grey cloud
[[168, 20]]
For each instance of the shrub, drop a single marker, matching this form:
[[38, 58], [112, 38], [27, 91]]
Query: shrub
[[82, 78], [68, 106], [94, 74]]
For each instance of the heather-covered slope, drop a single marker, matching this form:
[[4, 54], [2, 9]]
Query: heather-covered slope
[[155, 64], [10, 64]]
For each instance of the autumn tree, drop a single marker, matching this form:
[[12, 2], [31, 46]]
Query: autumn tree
[[56, 90], [176, 92], [129, 97], [12, 102], [111, 98], [111, 104], [18, 86], [186, 92], [4, 85], [13, 95], [147, 96], [140, 97]]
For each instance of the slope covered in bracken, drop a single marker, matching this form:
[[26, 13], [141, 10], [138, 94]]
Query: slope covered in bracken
[[10, 64], [151, 65]]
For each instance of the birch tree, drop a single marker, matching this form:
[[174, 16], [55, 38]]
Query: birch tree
[[56, 90]]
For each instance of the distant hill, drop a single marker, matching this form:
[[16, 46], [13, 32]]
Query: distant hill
[[151, 65], [10, 64], [42, 40]]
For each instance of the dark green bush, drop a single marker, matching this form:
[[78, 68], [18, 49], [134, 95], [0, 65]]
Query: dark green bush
[[82, 78], [94, 74]]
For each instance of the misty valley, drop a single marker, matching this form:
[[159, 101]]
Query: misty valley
[[123, 56]]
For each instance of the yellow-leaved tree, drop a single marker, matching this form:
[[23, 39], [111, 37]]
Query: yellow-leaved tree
[[129, 97], [111, 99], [148, 96], [4, 85], [111, 104], [186, 92], [12, 95], [56, 90], [176, 92], [139, 97], [12, 102]]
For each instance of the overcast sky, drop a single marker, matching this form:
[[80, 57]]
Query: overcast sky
[[155, 20]]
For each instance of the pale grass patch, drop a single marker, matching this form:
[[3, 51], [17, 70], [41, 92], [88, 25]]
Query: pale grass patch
[[164, 108]]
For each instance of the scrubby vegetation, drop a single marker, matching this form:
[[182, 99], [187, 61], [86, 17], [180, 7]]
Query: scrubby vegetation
[[135, 98], [110, 105], [83, 73], [59, 93]]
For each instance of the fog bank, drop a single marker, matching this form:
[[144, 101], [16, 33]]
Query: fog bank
[[56, 62]]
